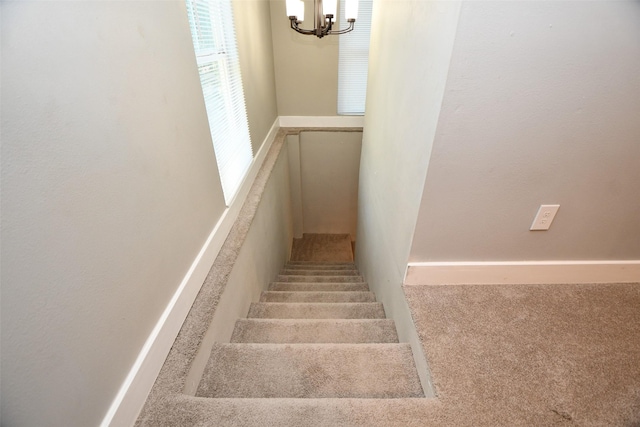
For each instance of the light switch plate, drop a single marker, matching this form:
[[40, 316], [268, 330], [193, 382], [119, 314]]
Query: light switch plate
[[544, 217]]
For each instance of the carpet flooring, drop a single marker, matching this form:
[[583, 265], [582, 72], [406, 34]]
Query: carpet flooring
[[500, 355], [322, 248], [520, 355], [323, 348]]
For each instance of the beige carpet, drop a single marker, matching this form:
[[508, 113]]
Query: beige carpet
[[320, 348], [322, 248], [327, 370], [525, 355], [519, 355], [315, 331]]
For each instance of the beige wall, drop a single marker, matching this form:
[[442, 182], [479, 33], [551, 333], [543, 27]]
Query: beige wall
[[542, 107], [411, 45], [403, 103], [109, 190], [295, 183], [253, 33], [329, 169], [306, 68], [324, 168]]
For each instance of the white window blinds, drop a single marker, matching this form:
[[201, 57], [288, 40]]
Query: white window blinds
[[353, 61], [214, 40]]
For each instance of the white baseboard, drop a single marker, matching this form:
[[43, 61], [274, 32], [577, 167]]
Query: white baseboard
[[522, 272], [133, 393], [322, 121]]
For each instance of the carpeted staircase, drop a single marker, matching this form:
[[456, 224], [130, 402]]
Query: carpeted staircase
[[317, 333]]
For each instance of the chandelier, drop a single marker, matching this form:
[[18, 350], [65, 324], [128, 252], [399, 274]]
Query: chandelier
[[325, 16]]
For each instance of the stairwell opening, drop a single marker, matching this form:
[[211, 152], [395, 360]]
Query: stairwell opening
[[238, 324]]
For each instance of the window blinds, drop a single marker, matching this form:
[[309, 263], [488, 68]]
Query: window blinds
[[353, 61], [214, 40]]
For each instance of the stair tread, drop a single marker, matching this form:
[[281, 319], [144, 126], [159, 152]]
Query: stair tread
[[311, 371], [315, 331], [318, 286], [320, 263], [320, 278], [317, 296], [320, 267], [316, 310], [296, 272], [323, 412]]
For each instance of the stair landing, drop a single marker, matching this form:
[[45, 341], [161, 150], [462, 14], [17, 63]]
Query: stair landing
[[332, 248]]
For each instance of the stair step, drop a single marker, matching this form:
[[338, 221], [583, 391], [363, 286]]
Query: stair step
[[324, 279], [346, 267], [310, 371], [281, 296], [316, 310], [327, 412], [309, 272], [318, 287], [314, 331], [321, 263]]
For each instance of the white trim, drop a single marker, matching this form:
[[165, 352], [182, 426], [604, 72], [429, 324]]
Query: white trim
[[128, 403], [522, 272], [321, 121]]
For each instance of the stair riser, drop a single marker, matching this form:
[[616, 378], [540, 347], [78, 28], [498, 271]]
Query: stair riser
[[317, 297], [278, 331], [275, 310]]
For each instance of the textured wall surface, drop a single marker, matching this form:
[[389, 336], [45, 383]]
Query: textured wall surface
[[541, 107], [403, 104], [329, 168], [411, 45], [109, 190]]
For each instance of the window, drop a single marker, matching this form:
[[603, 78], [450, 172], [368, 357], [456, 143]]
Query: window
[[353, 61], [214, 40]]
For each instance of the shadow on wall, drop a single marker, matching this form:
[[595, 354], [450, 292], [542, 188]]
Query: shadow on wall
[[324, 167]]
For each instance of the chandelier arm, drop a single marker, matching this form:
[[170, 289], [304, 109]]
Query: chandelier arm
[[343, 31], [294, 26]]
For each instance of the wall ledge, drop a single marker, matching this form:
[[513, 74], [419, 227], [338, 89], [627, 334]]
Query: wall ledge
[[322, 121], [522, 272], [131, 397]]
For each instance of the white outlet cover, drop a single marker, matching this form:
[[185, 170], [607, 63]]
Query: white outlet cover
[[544, 217]]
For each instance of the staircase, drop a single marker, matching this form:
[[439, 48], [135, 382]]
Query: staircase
[[317, 333]]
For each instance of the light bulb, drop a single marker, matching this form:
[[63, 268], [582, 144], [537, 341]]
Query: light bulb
[[292, 7], [351, 9], [330, 7]]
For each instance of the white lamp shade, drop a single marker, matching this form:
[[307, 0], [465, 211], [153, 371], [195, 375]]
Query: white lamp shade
[[330, 7], [292, 7], [351, 9], [300, 13]]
